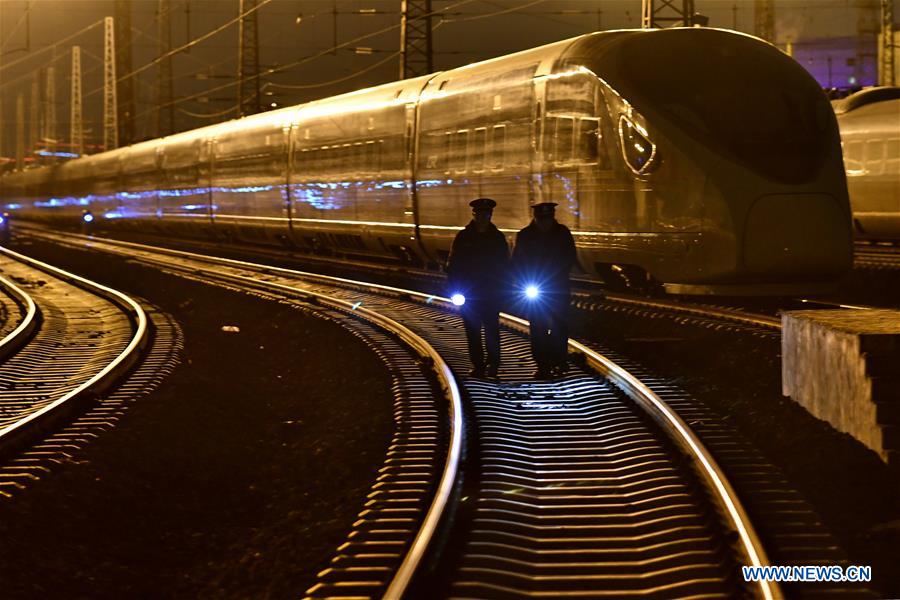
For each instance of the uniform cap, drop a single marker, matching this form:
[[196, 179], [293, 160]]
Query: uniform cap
[[482, 204], [544, 208]]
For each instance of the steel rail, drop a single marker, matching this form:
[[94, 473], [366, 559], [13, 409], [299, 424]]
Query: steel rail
[[16, 432], [711, 473], [423, 539], [697, 310], [18, 336], [701, 311]]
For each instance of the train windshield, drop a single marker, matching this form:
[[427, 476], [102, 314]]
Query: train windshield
[[735, 94]]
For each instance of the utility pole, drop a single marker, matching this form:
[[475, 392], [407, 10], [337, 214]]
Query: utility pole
[[165, 115], [124, 88], [764, 20], [249, 101], [886, 68], [110, 105], [76, 123], [20, 131], [866, 40], [34, 122], [416, 53], [50, 109], [659, 14], [2, 124]]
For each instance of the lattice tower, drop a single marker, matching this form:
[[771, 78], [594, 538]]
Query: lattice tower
[[249, 101], [764, 20], [34, 112], [124, 87], [50, 109], [416, 50], [165, 109], [110, 105], [867, 25], [886, 67], [20, 130], [659, 14], [76, 121]]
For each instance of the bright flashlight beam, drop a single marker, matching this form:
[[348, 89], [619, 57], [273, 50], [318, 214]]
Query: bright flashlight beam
[[532, 292], [458, 299]]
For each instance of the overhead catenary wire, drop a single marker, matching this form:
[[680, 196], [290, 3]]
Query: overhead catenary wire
[[9, 36], [13, 63], [221, 113], [338, 80], [315, 56], [493, 14], [193, 42]]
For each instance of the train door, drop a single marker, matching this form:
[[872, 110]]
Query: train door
[[536, 190], [413, 129], [205, 178], [161, 184], [290, 133]]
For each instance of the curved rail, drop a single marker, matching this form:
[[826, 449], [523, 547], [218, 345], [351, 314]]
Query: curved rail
[[23, 331], [723, 493], [404, 575], [12, 434]]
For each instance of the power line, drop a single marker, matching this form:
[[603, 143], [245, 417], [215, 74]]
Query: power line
[[7, 65], [339, 80], [318, 55], [194, 42], [15, 28]]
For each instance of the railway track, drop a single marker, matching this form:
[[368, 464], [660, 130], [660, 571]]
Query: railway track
[[877, 256], [589, 485], [73, 341], [586, 295]]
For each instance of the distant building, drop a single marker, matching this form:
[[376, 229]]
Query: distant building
[[836, 63]]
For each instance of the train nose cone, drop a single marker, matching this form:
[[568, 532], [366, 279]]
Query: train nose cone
[[797, 234]]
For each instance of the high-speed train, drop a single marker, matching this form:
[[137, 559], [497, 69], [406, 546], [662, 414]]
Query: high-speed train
[[700, 159], [870, 131]]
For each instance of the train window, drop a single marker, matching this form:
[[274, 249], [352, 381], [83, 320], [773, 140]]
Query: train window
[[379, 153], [853, 157], [588, 140], [460, 151], [875, 157], [892, 157], [565, 137], [369, 159], [477, 149], [637, 149], [448, 148], [498, 146]]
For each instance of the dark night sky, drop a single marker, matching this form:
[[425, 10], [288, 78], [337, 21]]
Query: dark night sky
[[475, 35]]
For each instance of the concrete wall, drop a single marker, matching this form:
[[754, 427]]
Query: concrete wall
[[843, 366]]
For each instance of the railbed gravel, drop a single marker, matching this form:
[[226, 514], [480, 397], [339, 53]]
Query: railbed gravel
[[237, 478]]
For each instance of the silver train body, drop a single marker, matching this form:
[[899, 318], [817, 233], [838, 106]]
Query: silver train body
[[870, 132], [721, 179]]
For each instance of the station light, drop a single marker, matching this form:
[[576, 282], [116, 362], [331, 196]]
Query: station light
[[2, 220], [87, 217], [458, 299]]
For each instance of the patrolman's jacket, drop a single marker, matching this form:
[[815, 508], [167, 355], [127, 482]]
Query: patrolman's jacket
[[544, 259], [478, 264]]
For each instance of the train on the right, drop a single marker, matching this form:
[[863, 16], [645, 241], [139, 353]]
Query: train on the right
[[869, 121]]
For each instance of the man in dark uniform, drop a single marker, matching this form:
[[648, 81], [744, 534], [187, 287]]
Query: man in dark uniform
[[543, 256], [476, 269]]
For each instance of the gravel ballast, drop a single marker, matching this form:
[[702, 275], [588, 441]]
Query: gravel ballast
[[238, 477]]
